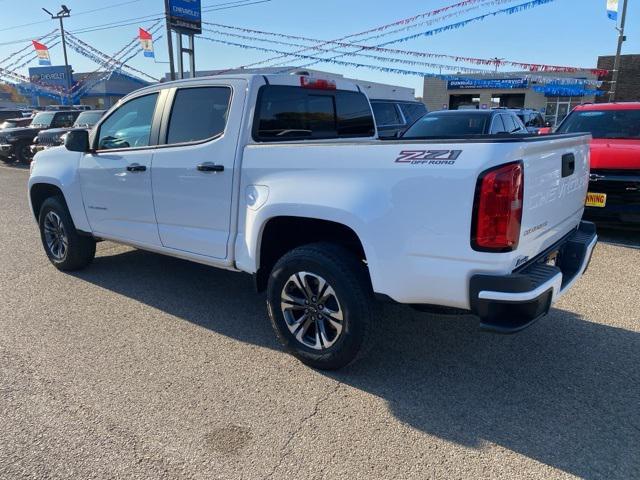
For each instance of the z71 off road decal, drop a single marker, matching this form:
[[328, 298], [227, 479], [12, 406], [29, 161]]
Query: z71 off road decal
[[428, 157]]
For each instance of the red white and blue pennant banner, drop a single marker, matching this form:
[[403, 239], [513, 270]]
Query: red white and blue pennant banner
[[146, 42], [42, 52], [612, 9]]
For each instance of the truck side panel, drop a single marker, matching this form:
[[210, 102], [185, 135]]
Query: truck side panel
[[410, 205]]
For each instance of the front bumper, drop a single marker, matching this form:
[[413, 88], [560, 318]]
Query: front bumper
[[510, 303], [623, 197]]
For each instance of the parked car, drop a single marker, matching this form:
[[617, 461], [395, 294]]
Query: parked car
[[58, 108], [281, 176], [6, 114], [15, 122], [614, 186], [532, 119], [394, 116], [455, 123], [15, 143], [54, 137]]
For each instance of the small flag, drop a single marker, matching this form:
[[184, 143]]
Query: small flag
[[42, 52], [146, 42], [612, 9]]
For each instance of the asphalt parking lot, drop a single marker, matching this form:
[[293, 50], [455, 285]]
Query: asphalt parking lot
[[144, 366]]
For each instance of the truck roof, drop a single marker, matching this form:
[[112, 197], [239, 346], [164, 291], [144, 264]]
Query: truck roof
[[610, 106], [272, 79]]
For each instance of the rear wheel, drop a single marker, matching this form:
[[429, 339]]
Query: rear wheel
[[66, 249], [319, 300]]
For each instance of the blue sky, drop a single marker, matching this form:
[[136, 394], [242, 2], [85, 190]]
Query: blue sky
[[565, 32]]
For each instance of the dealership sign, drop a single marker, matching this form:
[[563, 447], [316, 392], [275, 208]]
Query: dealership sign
[[473, 83], [184, 15], [55, 76]]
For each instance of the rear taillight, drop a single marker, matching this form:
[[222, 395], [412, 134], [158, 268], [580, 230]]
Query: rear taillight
[[497, 211]]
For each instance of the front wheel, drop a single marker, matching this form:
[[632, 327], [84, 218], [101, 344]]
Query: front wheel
[[319, 299], [65, 247], [23, 154]]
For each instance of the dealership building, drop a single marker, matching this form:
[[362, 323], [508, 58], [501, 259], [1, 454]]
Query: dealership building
[[99, 89], [535, 90], [628, 89]]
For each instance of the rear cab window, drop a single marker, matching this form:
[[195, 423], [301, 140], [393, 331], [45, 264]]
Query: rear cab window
[[198, 114], [286, 113]]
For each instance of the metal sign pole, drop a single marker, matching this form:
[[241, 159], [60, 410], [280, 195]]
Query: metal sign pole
[[180, 52], [616, 63], [192, 57], [172, 68]]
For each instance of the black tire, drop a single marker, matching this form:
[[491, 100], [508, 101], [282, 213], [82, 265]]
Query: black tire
[[80, 249], [23, 154], [7, 160], [348, 277]]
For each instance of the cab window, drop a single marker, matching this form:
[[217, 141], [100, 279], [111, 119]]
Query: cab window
[[198, 113], [293, 113], [129, 126], [64, 119]]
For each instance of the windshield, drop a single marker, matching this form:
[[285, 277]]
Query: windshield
[[623, 124], [43, 119], [87, 119], [448, 124]]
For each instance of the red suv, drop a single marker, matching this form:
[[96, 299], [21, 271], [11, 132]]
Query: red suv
[[614, 186]]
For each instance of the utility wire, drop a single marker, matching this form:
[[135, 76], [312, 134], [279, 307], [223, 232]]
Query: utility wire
[[158, 16]]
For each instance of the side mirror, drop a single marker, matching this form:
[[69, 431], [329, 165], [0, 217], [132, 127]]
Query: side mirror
[[77, 141]]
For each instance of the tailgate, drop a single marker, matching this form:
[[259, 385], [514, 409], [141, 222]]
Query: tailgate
[[556, 176]]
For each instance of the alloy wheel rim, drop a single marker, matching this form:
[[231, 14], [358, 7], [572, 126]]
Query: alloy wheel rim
[[55, 236], [311, 310]]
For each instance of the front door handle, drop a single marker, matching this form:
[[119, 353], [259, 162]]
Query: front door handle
[[210, 167], [136, 167]]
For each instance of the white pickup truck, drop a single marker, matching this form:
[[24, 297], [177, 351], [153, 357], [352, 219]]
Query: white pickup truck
[[283, 177]]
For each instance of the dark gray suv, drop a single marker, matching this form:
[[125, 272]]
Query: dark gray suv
[[394, 116]]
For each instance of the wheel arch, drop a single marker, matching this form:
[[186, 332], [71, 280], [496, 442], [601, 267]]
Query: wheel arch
[[39, 192], [276, 238]]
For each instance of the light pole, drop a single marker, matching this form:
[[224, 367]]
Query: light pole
[[616, 63], [64, 13]]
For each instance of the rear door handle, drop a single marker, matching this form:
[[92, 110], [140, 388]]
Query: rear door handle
[[136, 167], [210, 167], [568, 164]]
